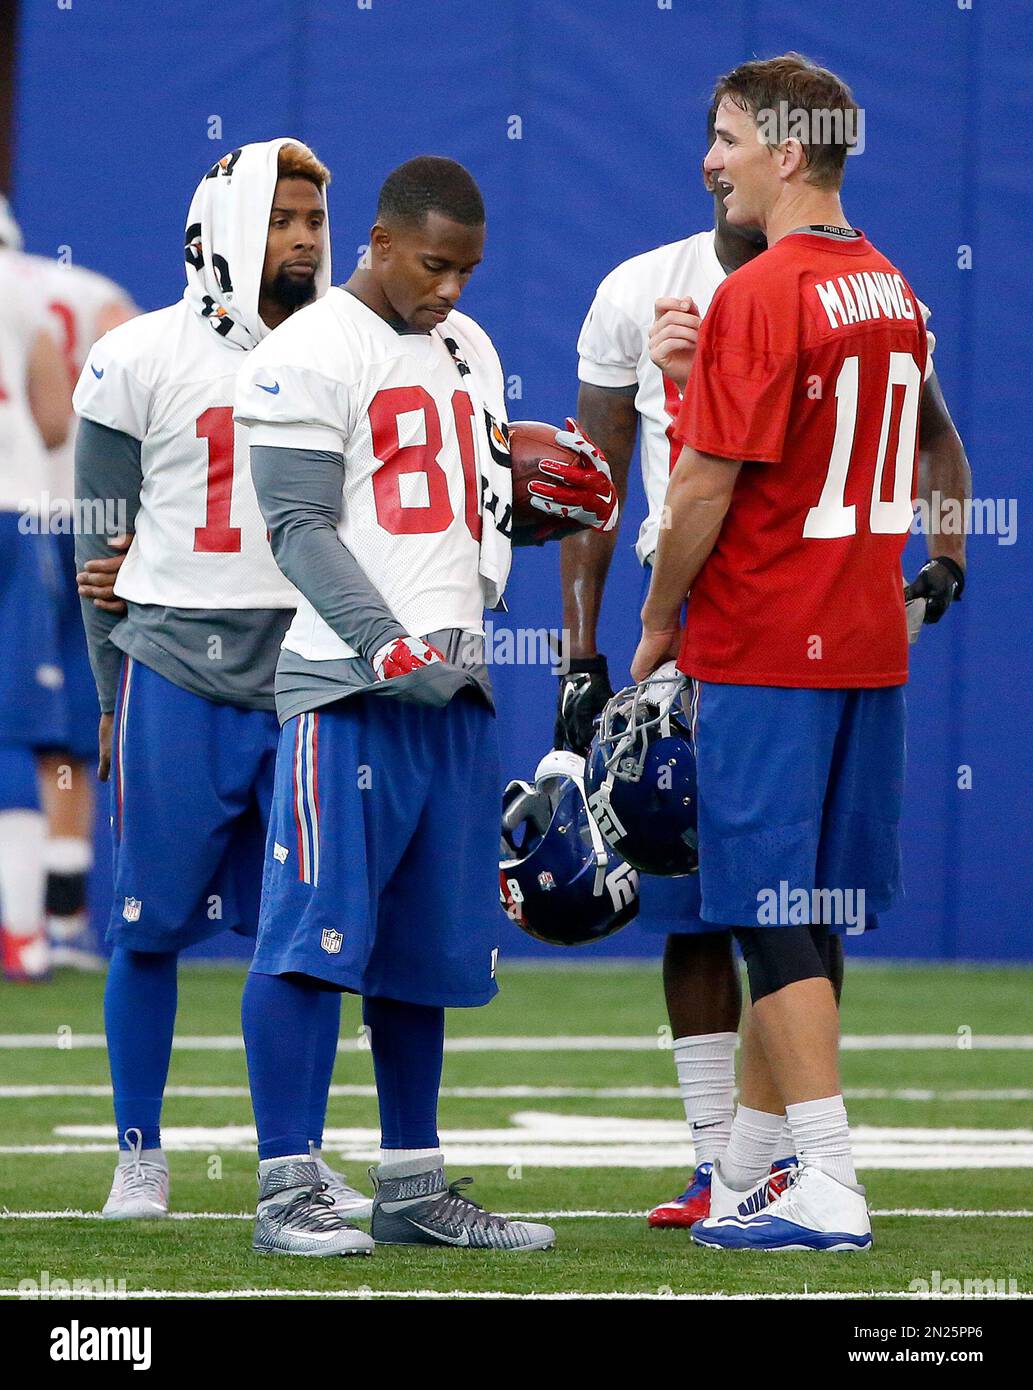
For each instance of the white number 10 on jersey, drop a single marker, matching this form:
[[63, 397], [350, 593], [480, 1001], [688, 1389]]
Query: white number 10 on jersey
[[832, 517]]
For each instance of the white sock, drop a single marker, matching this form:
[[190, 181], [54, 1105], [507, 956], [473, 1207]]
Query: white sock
[[265, 1164], [751, 1147], [706, 1078], [127, 1156], [822, 1135], [67, 854], [407, 1155], [786, 1146], [23, 836]]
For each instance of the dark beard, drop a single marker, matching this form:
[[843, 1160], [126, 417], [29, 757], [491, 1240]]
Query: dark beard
[[291, 293]]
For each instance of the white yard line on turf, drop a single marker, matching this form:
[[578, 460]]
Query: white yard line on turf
[[851, 1042], [908, 1093], [933, 1213], [548, 1139], [498, 1294]]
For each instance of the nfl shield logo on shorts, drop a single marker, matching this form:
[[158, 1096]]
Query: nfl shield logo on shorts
[[331, 941], [131, 909]]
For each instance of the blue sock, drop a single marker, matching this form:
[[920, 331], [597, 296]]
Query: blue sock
[[139, 1018], [326, 1056], [408, 1042], [286, 1043]]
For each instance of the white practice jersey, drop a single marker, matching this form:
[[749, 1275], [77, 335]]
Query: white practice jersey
[[73, 297], [23, 455], [613, 350], [166, 379], [408, 423]]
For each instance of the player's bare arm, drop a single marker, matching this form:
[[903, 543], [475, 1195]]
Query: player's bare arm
[[608, 414], [944, 479], [698, 497], [50, 396], [105, 731], [110, 315], [673, 338]]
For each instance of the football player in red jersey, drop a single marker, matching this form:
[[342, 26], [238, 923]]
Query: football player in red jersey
[[622, 394], [788, 511]]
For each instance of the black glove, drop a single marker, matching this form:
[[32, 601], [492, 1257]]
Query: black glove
[[584, 690], [939, 582]]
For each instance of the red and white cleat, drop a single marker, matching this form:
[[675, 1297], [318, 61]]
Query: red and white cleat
[[781, 1171], [26, 958], [692, 1205]]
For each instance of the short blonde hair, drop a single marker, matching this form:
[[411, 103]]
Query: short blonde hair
[[299, 162]]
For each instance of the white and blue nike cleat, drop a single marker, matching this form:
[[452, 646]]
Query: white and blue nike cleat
[[732, 1201], [815, 1212]]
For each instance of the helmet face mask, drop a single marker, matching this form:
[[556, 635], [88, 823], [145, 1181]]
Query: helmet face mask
[[641, 777], [558, 879]]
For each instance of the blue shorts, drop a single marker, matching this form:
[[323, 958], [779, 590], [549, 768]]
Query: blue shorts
[[19, 778], [670, 906], [32, 711], [191, 786], [381, 874], [82, 708], [800, 796]]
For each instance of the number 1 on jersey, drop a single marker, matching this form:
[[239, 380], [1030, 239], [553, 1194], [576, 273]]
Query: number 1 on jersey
[[217, 536]]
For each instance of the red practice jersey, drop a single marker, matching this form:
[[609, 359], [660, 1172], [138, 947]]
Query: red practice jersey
[[809, 369]]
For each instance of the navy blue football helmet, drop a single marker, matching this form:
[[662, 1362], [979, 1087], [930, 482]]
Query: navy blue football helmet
[[558, 879], [641, 776]]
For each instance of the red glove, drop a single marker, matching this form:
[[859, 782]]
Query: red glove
[[581, 492], [402, 655]]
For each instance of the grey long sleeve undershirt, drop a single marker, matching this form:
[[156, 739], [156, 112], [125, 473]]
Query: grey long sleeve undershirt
[[238, 668], [107, 468], [299, 492]]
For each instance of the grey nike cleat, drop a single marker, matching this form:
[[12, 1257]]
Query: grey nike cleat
[[413, 1205], [349, 1201], [297, 1216]]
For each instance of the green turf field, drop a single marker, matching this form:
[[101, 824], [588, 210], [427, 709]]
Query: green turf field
[[573, 1128]]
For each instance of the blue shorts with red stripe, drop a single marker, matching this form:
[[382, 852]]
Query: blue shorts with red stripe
[[800, 795], [191, 786], [381, 870]]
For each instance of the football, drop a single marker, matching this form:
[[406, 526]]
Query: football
[[530, 441]]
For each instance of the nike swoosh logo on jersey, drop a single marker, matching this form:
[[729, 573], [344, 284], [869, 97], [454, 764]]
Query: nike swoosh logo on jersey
[[463, 1239], [97, 374], [273, 390]]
